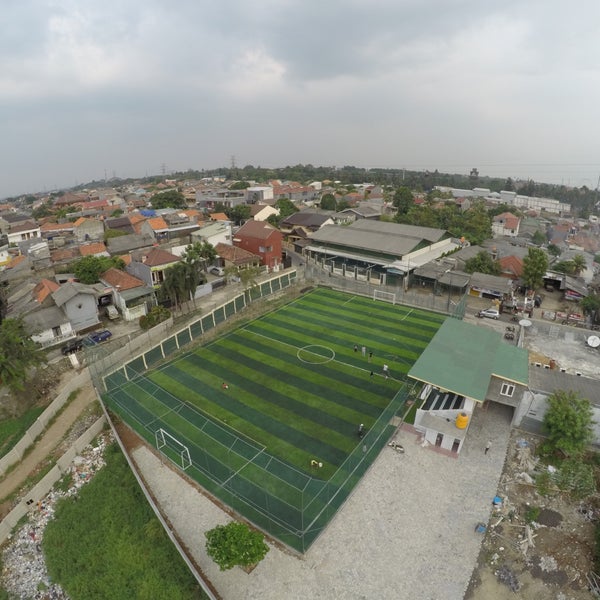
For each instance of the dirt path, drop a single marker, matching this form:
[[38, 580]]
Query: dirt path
[[48, 442]]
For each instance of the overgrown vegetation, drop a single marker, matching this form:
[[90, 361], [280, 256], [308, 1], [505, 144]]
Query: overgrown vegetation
[[12, 430], [107, 543], [156, 315]]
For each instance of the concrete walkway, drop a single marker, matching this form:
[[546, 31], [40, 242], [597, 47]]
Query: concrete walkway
[[48, 441], [407, 532]]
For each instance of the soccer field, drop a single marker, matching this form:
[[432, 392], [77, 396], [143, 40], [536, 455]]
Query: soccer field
[[249, 414]]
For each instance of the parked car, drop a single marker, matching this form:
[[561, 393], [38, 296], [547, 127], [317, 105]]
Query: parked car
[[490, 313], [111, 312], [219, 271], [96, 337], [71, 346]]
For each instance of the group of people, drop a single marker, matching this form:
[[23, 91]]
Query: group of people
[[363, 351]]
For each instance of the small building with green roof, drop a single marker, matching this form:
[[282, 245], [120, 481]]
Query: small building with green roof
[[464, 366]]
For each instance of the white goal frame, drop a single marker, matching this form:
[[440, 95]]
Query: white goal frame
[[384, 296], [184, 452]]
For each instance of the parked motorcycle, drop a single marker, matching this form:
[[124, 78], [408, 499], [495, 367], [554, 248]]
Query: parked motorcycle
[[510, 328], [509, 335]]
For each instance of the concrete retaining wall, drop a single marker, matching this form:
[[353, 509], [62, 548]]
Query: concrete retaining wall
[[45, 485], [16, 454]]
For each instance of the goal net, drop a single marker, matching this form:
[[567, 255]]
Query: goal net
[[165, 441], [384, 296]]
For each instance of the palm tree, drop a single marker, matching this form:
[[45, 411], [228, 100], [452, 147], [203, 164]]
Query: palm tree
[[579, 263]]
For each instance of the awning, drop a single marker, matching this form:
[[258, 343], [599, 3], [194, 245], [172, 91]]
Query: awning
[[335, 253]]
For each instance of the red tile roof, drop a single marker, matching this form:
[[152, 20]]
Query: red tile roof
[[121, 280], [511, 264], [157, 223], [257, 229], [235, 255], [43, 289], [157, 257], [92, 249]]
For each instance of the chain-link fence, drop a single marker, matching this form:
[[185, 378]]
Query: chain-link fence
[[449, 302]]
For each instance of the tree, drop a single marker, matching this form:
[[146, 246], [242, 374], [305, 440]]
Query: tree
[[235, 544], [564, 266], [199, 254], [18, 353], [180, 282], [328, 202], [579, 263], [403, 200], [539, 238], [286, 207], [482, 262], [238, 214], [535, 265], [591, 306], [477, 225], [239, 185], [89, 268], [168, 199], [554, 250], [568, 423]]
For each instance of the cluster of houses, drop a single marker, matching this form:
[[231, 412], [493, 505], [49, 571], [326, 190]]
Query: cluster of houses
[[355, 242]]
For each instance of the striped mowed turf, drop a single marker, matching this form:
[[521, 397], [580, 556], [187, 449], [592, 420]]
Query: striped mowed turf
[[296, 385]]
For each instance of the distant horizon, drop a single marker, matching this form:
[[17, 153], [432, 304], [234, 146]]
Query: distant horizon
[[412, 168]]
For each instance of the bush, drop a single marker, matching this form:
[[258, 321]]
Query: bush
[[235, 544], [157, 315]]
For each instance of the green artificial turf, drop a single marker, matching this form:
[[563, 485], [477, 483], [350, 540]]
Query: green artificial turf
[[297, 389]]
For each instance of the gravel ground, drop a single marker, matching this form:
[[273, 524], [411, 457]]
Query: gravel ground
[[407, 532]]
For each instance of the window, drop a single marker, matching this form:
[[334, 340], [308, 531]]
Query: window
[[507, 389]]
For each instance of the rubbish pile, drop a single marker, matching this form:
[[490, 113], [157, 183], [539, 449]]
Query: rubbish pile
[[24, 573]]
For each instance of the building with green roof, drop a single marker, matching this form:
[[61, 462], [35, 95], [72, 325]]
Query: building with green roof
[[464, 366]]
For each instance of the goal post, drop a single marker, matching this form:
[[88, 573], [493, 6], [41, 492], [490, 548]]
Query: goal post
[[384, 296], [164, 438]]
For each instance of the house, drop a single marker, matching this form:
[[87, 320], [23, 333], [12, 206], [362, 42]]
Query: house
[[128, 243], [261, 239], [364, 210], [543, 382], [208, 199], [505, 224], [259, 194], [50, 231], [32, 301], [232, 256], [462, 367], [492, 287], [86, 230], [80, 303], [129, 294], [23, 231], [309, 220], [214, 232], [512, 267], [150, 266], [261, 212], [93, 249]]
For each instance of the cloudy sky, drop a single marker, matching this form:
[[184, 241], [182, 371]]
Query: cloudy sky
[[95, 88]]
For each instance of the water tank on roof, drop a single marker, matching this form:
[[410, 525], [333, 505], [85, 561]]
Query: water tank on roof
[[462, 420]]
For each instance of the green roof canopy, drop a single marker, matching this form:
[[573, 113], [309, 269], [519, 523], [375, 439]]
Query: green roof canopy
[[462, 358]]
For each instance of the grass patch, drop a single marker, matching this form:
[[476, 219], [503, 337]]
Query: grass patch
[[107, 543], [12, 430]]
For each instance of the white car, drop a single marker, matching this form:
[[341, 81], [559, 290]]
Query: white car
[[490, 313], [219, 271]]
